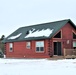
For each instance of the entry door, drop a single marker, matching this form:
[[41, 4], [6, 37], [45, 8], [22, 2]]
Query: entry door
[[57, 48]]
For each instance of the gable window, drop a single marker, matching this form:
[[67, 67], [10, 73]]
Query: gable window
[[74, 45], [74, 36], [28, 45], [39, 46], [11, 47], [58, 35]]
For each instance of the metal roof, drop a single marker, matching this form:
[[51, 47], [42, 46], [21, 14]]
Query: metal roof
[[57, 25]]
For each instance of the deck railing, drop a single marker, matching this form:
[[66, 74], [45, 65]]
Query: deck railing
[[70, 52]]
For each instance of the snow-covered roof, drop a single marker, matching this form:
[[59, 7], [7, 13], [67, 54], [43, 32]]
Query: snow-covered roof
[[14, 37], [39, 33]]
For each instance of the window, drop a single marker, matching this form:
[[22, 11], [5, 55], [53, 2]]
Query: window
[[58, 35], [74, 45], [28, 44], [74, 36], [40, 46], [11, 47]]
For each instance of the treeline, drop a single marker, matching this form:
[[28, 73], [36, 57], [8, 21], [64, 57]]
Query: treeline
[[1, 44]]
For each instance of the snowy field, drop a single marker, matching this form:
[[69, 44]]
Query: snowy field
[[37, 67]]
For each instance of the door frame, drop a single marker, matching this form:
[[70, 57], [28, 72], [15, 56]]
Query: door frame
[[57, 50]]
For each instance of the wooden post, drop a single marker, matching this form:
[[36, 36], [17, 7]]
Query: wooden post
[[64, 52]]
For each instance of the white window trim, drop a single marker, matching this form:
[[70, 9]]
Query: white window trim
[[39, 47], [10, 46], [74, 44], [28, 45]]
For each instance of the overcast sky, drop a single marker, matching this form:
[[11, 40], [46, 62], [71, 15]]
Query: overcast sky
[[19, 13]]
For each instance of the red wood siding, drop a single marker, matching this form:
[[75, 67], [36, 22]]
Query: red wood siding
[[67, 34], [20, 50]]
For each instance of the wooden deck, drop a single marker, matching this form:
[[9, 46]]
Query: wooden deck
[[62, 57], [56, 57]]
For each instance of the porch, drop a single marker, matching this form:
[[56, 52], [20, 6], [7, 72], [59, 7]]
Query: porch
[[69, 53]]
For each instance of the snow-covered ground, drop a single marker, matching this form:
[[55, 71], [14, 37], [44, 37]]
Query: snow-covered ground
[[37, 67]]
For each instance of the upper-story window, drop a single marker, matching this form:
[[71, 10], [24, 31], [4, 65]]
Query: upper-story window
[[40, 46], [58, 35], [74, 35], [28, 45], [11, 47]]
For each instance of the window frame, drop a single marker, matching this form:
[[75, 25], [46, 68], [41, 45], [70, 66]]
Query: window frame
[[73, 33], [28, 45], [74, 43], [10, 47], [56, 34], [40, 51]]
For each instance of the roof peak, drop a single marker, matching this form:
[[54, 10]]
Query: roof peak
[[21, 33], [46, 23]]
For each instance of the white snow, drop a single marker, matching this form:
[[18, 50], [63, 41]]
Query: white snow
[[14, 37], [40, 33], [37, 67]]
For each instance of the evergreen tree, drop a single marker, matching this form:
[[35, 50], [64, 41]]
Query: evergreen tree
[[3, 36], [1, 44]]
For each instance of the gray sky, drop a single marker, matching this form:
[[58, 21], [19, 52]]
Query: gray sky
[[19, 13]]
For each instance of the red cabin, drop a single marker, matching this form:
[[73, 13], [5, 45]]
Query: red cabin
[[42, 40]]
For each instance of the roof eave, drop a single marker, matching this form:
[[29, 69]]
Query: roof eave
[[72, 23], [28, 39]]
